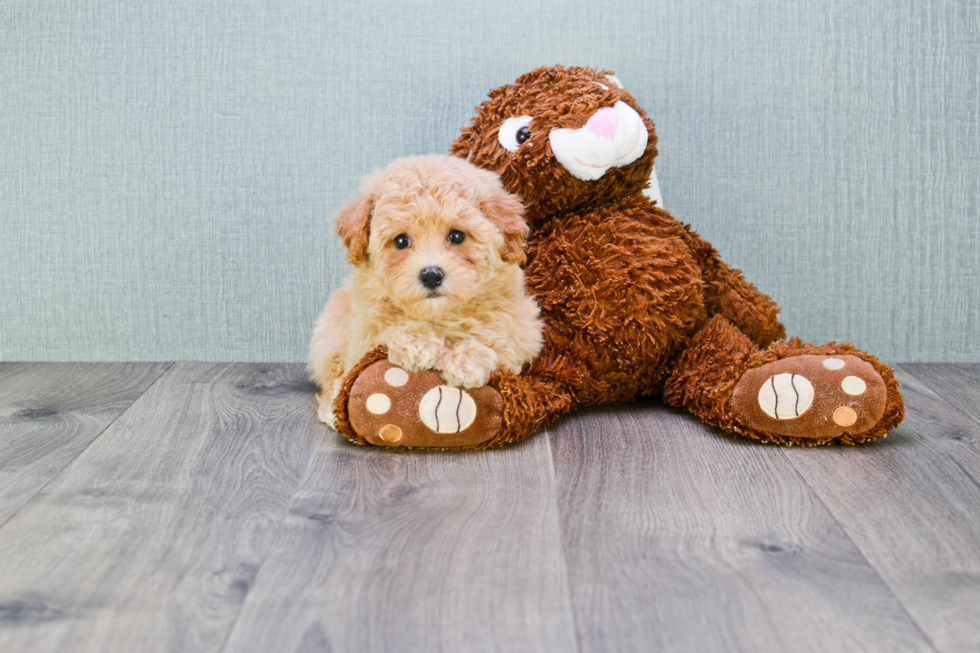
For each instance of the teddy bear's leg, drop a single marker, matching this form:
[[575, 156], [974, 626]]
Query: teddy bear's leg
[[789, 392], [385, 405]]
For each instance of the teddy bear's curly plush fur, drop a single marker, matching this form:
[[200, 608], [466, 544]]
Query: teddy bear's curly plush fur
[[634, 302]]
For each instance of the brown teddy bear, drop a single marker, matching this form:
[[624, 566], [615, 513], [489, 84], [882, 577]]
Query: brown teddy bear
[[634, 302]]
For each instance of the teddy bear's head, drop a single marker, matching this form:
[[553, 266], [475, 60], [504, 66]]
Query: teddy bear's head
[[562, 138]]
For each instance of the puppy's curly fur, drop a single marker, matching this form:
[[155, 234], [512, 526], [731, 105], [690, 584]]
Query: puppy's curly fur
[[477, 318]]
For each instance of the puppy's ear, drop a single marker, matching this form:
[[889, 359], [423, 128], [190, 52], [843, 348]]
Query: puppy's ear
[[354, 221], [506, 212]]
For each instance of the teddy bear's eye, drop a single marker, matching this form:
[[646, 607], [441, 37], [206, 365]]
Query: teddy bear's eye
[[456, 237], [514, 132], [402, 241]]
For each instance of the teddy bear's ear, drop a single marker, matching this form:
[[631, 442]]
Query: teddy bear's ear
[[507, 212], [462, 147], [354, 222]]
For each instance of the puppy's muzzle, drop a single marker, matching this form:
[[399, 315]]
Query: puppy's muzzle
[[432, 277]]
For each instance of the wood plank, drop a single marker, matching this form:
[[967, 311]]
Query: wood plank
[[911, 504], [151, 538], [958, 385], [415, 551], [49, 413], [681, 538]]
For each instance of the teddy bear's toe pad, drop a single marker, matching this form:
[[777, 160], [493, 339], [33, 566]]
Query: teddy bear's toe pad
[[391, 407], [811, 397]]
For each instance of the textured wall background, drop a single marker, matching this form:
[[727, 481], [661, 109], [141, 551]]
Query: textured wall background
[[168, 174]]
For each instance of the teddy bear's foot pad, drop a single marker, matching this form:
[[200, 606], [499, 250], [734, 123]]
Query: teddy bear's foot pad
[[390, 407], [811, 397]]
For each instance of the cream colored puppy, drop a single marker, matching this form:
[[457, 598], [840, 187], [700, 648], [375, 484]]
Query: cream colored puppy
[[436, 244]]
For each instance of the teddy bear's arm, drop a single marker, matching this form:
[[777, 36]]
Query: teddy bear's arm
[[727, 293]]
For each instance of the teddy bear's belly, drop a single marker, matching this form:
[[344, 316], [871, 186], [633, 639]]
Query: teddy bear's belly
[[618, 300]]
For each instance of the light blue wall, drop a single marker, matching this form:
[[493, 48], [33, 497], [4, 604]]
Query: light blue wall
[[169, 171]]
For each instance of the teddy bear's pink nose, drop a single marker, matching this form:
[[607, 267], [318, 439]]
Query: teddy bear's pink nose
[[603, 123]]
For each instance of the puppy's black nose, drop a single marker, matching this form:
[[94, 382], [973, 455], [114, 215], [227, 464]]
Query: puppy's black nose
[[432, 277]]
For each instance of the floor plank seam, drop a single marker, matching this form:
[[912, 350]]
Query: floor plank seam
[[86, 447], [871, 566], [561, 543], [275, 536], [941, 398]]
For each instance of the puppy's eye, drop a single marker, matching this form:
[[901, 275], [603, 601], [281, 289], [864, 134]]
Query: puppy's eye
[[402, 241], [514, 132], [456, 237]]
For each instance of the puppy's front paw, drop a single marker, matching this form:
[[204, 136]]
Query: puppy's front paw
[[324, 411], [467, 364], [414, 351]]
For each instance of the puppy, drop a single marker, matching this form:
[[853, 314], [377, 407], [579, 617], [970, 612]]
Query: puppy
[[436, 244]]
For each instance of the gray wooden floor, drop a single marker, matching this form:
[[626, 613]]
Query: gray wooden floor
[[200, 507]]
